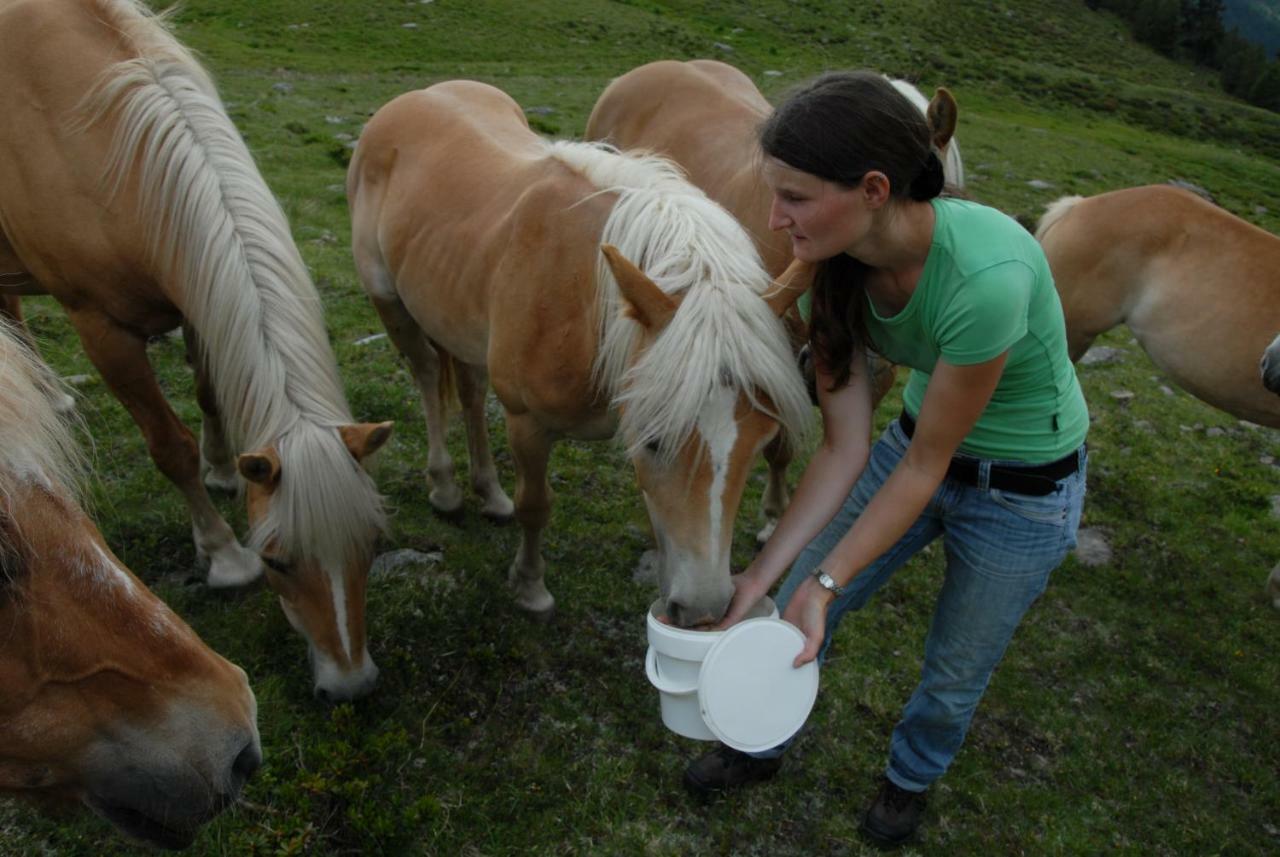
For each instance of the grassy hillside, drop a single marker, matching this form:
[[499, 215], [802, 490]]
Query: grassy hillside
[[1139, 706]]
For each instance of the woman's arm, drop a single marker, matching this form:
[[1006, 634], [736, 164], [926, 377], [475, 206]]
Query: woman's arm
[[827, 480], [955, 398]]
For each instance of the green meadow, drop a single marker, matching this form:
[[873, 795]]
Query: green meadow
[[1138, 709]]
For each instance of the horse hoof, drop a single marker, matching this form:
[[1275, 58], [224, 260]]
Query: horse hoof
[[540, 611], [447, 501], [765, 533], [501, 518], [63, 404], [222, 483], [229, 575]]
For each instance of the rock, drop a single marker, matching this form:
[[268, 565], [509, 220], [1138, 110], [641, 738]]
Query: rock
[[1194, 188], [283, 87], [540, 111], [772, 73], [78, 380], [365, 340], [646, 571], [721, 46], [1122, 396], [1260, 209], [1275, 505], [1092, 548], [409, 26], [1166, 389], [1039, 184], [397, 561], [1214, 431], [1144, 426], [334, 120], [1100, 354]]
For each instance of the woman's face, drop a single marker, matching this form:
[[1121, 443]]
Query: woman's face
[[823, 218]]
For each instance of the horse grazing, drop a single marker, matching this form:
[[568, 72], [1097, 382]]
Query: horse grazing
[[705, 115], [108, 697], [1198, 287], [480, 245], [126, 193]]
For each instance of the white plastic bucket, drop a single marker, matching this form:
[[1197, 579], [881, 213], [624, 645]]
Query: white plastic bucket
[[673, 664]]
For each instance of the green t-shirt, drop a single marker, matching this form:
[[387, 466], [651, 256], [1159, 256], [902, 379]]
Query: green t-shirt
[[986, 289]]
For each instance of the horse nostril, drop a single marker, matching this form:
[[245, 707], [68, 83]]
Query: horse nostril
[[676, 613], [324, 695], [247, 762]]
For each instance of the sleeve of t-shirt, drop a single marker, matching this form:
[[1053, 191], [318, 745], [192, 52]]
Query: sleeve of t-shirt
[[987, 314]]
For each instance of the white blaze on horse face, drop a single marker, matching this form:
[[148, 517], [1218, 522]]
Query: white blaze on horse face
[[338, 587], [719, 431]]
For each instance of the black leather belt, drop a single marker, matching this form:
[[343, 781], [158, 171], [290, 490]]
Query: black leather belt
[[1034, 479]]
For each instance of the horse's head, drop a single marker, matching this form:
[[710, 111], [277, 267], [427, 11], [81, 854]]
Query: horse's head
[[318, 516], [108, 696], [693, 438]]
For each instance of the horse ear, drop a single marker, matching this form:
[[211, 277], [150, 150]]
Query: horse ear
[[646, 303], [261, 467], [788, 288], [364, 439], [942, 116]]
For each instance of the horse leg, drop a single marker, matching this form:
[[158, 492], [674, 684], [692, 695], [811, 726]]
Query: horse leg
[[531, 447], [11, 310], [121, 357], [428, 368], [473, 384], [776, 495], [217, 466]]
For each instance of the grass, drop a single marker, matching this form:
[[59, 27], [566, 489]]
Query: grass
[[1137, 710]]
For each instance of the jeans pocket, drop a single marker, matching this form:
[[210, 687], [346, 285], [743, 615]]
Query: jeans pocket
[[1047, 509]]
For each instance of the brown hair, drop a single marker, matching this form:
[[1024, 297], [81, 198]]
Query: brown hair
[[839, 127]]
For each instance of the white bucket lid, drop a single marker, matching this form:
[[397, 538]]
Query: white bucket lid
[[750, 695]]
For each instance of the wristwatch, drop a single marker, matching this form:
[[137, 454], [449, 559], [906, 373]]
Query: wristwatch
[[826, 582]]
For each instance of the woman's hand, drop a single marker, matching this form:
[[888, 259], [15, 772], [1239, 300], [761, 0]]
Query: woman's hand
[[807, 610], [748, 588]]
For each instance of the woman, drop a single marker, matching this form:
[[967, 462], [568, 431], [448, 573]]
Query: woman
[[988, 452]]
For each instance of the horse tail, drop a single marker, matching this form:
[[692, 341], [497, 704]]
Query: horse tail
[[1054, 212]]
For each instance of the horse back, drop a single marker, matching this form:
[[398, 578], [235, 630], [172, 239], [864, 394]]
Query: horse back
[[488, 241], [704, 115], [79, 234]]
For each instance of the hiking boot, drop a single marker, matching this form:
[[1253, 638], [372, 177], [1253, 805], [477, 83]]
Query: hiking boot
[[725, 768], [894, 815]]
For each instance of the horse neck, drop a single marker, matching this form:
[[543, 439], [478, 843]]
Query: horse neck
[[219, 237]]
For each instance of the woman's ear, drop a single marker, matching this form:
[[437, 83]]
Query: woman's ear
[[875, 186]]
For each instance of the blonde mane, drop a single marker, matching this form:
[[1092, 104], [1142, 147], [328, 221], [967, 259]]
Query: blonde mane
[[36, 444], [723, 335], [222, 249]]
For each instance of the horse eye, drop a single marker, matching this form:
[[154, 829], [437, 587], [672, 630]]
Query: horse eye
[[275, 564], [653, 446]]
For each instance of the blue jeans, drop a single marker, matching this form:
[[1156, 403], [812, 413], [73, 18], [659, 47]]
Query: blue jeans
[[1000, 549]]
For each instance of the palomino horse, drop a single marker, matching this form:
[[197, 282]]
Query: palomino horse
[[126, 193], [480, 245], [1198, 287], [705, 116], [108, 697]]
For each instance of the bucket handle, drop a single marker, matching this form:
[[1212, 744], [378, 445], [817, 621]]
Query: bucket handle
[[651, 670]]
